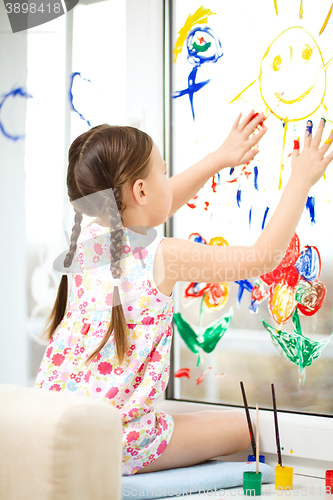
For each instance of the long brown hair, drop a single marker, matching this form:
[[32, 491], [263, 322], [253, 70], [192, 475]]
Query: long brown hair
[[104, 157]]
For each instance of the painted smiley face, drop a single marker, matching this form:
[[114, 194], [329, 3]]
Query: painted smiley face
[[292, 75]]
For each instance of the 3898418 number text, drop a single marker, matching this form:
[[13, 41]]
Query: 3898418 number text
[[32, 8]]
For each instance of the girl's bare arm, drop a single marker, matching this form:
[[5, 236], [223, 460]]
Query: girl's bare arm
[[186, 260]]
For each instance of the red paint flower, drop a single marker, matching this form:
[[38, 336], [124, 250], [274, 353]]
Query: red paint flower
[[293, 283], [215, 294]]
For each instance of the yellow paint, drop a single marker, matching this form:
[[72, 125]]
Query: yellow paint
[[326, 20], [200, 16], [291, 451], [275, 5], [277, 63], [329, 140], [282, 153], [282, 302], [301, 10], [238, 95], [307, 115], [307, 52], [291, 53], [298, 99], [327, 64]]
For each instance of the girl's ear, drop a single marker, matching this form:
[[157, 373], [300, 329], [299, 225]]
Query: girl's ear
[[139, 192]]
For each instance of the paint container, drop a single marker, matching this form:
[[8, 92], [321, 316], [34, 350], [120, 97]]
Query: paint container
[[252, 483], [329, 482], [252, 458], [283, 477]]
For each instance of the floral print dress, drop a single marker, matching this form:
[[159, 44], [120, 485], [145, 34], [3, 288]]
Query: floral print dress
[[134, 386]]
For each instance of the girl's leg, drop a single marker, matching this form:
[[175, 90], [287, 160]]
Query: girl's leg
[[200, 436]]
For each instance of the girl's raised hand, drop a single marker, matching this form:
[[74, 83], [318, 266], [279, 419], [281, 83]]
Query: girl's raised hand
[[309, 165], [237, 147]]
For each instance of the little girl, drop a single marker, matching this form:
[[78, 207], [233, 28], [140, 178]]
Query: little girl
[[111, 339]]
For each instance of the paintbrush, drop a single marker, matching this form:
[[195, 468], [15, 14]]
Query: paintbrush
[[257, 454], [253, 443], [276, 428]]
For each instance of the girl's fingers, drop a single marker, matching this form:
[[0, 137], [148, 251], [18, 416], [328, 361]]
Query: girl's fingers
[[327, 143], [249, 155], [317, 138], [246, 120], [253, 124], [308, 134], [295, 152], [328, 158], [256, 138], [235, 125]]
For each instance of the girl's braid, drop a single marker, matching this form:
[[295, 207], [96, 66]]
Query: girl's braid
[[116, 225], [76, 230]]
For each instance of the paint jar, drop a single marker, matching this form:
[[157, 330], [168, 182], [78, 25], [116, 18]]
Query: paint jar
[[283, 477], [253, 458], [329, 482], [252, 483]]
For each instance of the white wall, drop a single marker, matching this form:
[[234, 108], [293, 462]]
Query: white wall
[[19, 354], [13, 339]]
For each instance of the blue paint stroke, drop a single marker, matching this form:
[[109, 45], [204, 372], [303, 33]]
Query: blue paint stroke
[[309, 127], [231, 171], [256, 178], [254, 306], [13, 93], [218, 179], [308, 263], [310, 205], [198, 239], [191, 89], [239, 195], [250, 216], [71, 96], [197, 59], [243, 285], [264, 219]]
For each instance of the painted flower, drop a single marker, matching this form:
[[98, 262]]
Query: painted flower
[[148, 320], [161, 447], [58, 359], [55, 387], [126, 249], [144, 301], [294, 283], [78, 280], [140, 253], [126, 286], [215, 294], [98, 248], [104, 368], [112, 392], [132, 436], [72, 386]]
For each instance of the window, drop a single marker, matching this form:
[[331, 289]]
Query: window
[[219, 60]]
